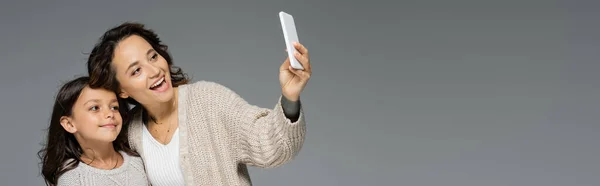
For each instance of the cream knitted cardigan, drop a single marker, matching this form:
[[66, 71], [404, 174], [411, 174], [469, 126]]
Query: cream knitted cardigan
[[220, 133]]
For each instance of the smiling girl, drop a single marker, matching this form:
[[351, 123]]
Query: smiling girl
[[84, 145]]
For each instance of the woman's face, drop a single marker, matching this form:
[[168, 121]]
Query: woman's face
[[143, 74]]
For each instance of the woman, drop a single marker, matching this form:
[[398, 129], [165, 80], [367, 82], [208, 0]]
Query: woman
[[201, 133]]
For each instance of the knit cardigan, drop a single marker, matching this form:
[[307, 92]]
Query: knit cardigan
[[220, 134]]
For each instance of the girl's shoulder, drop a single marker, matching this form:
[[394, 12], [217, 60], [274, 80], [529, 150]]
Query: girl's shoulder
[[71, 177]]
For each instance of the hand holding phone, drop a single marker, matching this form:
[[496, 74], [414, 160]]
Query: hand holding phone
[[290, 35]]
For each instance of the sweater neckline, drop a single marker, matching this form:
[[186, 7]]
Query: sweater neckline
[[117, 170]]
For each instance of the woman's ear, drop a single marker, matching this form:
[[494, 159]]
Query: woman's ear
[[67, 124]]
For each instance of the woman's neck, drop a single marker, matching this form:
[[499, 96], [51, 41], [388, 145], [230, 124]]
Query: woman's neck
[[163, 111]]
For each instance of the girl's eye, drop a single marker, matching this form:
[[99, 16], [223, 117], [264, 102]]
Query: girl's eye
[[94, 108]]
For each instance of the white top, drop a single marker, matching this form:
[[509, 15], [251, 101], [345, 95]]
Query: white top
[[162, 161], [131, 172]]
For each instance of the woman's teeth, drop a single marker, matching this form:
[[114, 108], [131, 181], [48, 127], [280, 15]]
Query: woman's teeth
[[158, 83]]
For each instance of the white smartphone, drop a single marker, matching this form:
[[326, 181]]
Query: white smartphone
[[290, 35]]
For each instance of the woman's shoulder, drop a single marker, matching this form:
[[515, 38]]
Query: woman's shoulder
[[206, 90], [205, 85]]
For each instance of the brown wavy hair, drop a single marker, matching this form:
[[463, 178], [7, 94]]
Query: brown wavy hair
[[99, 64], [62, 152]]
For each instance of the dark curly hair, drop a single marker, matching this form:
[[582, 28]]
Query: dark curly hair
[[102, 74]]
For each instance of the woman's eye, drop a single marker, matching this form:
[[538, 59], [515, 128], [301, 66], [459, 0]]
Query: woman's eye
[[136, 71]]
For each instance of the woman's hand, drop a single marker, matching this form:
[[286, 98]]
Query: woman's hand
[[292, 80]]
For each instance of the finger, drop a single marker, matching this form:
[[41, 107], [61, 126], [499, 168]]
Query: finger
[[304, 51], [285, 65], [303, 59], [295, 71], [300, 48], [300, 73]]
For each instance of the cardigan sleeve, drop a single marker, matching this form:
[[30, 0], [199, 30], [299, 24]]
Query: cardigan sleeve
[[264, 137]]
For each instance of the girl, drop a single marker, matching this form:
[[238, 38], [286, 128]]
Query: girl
[[84, 146], [201, 133]]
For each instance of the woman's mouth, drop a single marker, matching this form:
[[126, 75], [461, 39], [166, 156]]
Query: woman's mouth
[[160, 85]]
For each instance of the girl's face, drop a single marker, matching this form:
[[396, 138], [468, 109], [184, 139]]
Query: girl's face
[[95, 116], [143, 74]]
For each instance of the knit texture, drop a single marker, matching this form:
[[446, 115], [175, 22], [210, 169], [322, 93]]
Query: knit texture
[[220, 134], [130, 173]]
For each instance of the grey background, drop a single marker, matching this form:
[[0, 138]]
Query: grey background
[[428, 92]]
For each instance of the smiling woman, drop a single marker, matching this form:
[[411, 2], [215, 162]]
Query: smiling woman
[[201, 133]]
